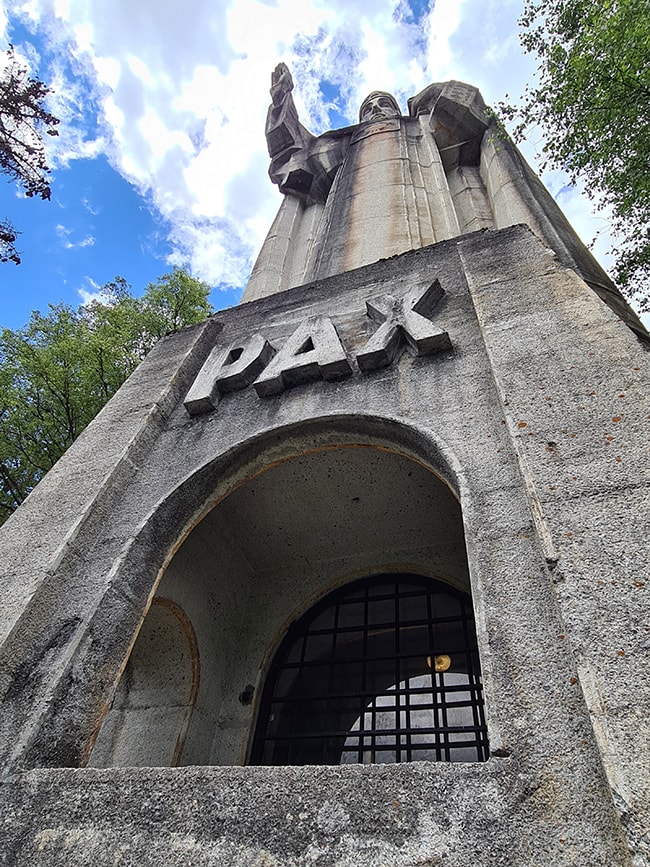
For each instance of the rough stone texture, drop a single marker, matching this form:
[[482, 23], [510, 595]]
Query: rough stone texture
[[536, 417], [87, 473], [404, 816]]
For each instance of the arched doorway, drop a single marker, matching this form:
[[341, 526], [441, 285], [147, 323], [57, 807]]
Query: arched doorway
[[314, 516]]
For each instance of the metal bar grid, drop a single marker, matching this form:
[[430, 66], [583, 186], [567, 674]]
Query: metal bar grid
[[364, 689]]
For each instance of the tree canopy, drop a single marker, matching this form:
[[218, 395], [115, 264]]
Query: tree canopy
[[23, 121], [58, 371], [592, 100]]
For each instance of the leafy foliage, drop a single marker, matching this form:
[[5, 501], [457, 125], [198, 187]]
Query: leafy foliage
[[23, 119], [592, 100], [8, 235], [58, 371]]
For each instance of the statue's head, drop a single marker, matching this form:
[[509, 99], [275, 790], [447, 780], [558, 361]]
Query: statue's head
[[379, 104]]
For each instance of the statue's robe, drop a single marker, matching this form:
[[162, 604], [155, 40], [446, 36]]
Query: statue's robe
[[382, 187]]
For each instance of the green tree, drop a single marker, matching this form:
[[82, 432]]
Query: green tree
[[592, 100], [58, 371], [23, 121], [8, 236]]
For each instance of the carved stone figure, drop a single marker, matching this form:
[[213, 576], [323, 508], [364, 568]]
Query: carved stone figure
[[352, 196], [393, 183]]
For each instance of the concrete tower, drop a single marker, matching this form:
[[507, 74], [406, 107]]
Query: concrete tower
[[354, 573]]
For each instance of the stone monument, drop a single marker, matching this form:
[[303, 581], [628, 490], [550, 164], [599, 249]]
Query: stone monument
[[354, 572]]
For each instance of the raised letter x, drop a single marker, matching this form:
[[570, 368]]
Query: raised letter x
[[403, 321]]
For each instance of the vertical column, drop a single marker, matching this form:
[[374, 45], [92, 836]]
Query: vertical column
[[272, 270]]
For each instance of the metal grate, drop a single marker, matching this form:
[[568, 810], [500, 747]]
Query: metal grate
[[354, 680]]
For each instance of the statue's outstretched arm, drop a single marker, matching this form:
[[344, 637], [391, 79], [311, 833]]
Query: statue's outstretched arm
[[301, 163], [283, 129], [281, 83]]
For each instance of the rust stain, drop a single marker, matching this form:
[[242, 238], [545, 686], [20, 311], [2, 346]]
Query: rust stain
[[188, 630]]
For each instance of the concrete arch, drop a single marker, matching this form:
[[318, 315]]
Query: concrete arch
[[214, 480], [136, 577], [277, 524]]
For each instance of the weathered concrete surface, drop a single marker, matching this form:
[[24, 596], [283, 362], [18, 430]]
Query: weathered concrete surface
[[536, 417], [155, 696], [405, 815]]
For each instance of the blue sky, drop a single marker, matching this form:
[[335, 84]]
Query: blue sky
[[161, 159]]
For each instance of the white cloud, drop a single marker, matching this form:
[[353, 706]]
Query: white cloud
[[64, 234], [443, 23], [88, 296], [3, 24], [90, 207], [182, 91]]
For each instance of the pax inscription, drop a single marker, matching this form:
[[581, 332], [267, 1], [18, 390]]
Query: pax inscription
[[314, 350]]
